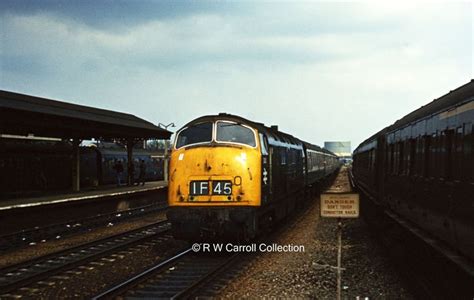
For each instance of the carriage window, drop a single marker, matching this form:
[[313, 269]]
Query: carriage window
[[449, 154], [235, 133], [427, 155], [199, 133], [411, 157], [392, 158], [400, 158], [283, 156]]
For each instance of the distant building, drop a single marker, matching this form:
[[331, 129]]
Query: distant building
[[341, 149]]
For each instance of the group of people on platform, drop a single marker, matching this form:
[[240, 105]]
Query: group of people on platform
[[118, 167]]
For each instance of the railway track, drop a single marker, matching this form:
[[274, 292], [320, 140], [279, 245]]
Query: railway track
[[178, 277], [183, 275], [18, 278], [188, 274], [36, 235]]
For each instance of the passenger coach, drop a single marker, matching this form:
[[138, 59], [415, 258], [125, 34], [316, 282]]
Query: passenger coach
[[422, 167]]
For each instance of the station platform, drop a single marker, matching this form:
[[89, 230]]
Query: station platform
[[106, 191]]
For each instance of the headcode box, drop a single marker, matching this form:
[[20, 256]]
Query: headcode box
[[339, 205]]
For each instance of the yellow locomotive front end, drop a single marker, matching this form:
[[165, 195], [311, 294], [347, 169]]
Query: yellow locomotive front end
[[215, 179]]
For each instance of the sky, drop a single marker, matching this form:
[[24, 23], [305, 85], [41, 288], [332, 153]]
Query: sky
[[321, 71]]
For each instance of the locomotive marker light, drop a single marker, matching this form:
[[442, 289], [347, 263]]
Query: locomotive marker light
[[339, 205]]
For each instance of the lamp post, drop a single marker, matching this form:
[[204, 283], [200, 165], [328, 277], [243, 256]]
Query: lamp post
[[165, 167]]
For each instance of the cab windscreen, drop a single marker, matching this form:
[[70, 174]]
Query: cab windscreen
[[235, 133], [195, 134]]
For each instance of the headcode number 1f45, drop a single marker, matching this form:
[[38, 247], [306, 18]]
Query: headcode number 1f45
[[204, 187]]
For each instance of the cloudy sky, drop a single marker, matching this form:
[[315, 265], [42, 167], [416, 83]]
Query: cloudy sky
[[320, 70]]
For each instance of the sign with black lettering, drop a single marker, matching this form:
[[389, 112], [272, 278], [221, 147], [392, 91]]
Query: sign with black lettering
[[340, 205]]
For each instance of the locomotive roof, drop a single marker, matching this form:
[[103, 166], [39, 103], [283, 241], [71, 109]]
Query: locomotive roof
[[454, 97], [240, 120], [271, 131]]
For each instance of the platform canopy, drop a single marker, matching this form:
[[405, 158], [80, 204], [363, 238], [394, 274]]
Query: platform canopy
[[25, 115]]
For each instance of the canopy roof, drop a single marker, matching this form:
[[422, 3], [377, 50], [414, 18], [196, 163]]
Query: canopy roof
[[24, 114]]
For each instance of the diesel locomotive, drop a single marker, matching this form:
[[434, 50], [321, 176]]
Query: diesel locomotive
[[229, 177], [422, 168]]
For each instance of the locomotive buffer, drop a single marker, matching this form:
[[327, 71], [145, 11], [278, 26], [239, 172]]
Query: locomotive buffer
[[339, 205]]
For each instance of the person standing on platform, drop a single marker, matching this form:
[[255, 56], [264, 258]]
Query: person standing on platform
[[141, 175], [131, 173], [118, 167]]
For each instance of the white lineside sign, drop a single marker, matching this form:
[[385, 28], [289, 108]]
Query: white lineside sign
[[340, 205]]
